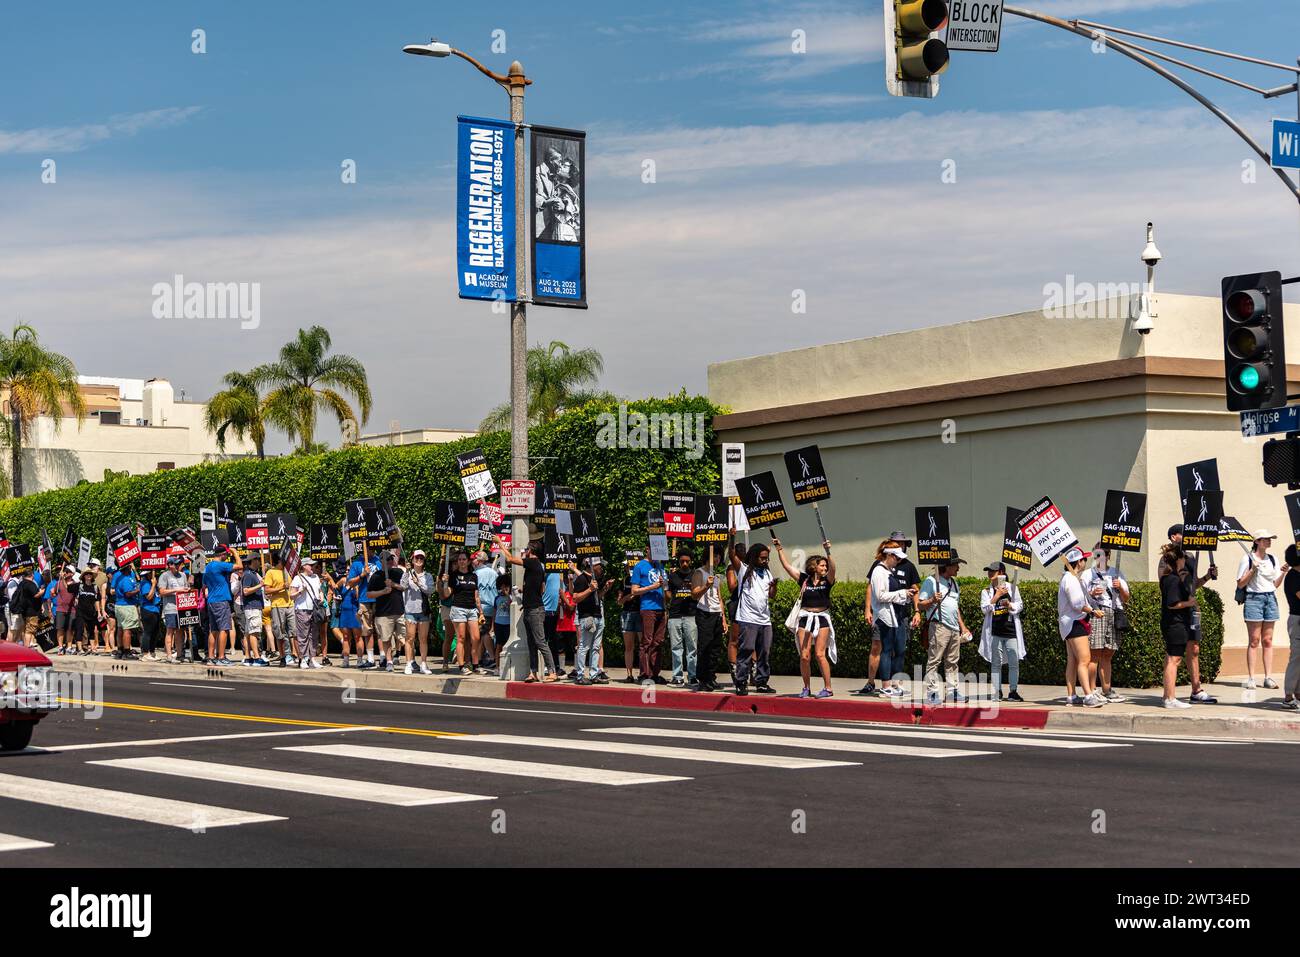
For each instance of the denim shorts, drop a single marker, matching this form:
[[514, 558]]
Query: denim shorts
[[169, 620], [418, 617], [464, 614], [631, 622], [1261, 606]]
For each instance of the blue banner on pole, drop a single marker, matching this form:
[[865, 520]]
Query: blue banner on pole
[[1286, 144], [485, 209]]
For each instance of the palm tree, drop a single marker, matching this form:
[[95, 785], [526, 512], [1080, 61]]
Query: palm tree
[[237, 409], [35, 381], [305, 380], [556, 379]]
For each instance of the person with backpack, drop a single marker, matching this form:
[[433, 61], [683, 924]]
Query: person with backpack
[[903, 576], [252, 599], [939, 601], [1258, 579], [306, 589], [1002, 638], [1107, 590], [754, 612]]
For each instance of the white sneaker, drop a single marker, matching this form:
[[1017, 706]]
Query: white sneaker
[[313, 663], [410, 668], [1094, 700], [304, 664], [1249, 684], [1270, 683], [893, 691], [1176, 703], [424, 669]]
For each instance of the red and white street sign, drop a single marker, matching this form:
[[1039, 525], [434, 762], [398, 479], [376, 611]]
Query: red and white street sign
[[518, 496]]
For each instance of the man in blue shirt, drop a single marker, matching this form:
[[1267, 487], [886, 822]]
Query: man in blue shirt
[[487, 594], [126, 609], [359, 574], [216, 581], [648, 584]]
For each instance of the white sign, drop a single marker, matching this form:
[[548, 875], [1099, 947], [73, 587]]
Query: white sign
[[974, 25], [1046, 530], [518, 496], [563, 521], [207, 519], [83, 553], [733, 465], [658, 548]]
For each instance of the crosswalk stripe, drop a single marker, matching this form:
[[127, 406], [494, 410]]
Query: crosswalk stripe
[[133, 807], [468, 762], [653, 751], [816, 744], [1024, 742], [11, 842], [345, 788]]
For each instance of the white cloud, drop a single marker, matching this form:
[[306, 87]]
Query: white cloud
[[67, 139]]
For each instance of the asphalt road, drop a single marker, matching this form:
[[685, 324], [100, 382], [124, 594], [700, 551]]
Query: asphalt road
[[210, 774]]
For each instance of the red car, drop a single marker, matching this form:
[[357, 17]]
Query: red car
[[27, 693]]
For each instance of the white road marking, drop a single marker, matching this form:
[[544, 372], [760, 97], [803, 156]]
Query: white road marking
[[935, 735], [146, 742], [345, 788], [653, 751], [11, 842], [467, 762], [133, 807], [816, 744], [169, 684]]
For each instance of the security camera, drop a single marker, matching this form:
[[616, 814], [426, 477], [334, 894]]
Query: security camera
[[1143, 324], [1151, 255]]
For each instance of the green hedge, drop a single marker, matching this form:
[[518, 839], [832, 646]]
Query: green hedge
[[1139, 663], [621, 484]]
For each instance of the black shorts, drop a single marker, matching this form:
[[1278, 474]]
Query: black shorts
[[1077, 631], [1176, 638]]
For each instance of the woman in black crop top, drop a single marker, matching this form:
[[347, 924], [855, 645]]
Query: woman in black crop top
[[813, 628]]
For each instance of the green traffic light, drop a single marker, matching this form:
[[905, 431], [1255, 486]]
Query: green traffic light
[[1248, 378]]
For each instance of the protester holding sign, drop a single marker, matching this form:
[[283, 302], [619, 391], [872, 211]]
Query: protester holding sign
[[1073, 614], [649, 584], [710, 625], [753, 611], [885, 595], [1108, 592], [308, 595], [1193, 650], [417, 587], [682, 632], [1258, 578], [1002, 638], [126, 610], [150, 615], [813, 625], [533, 613], [216, 581], [1177, 601], [275, 585], [65, 594], [940, 601], [630, 619], [171, 583], [90, 609]]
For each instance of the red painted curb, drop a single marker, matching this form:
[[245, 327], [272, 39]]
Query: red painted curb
[[840, 709]]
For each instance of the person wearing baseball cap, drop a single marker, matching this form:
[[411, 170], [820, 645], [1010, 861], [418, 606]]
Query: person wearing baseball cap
[[940, 600], [1259, 575], [1193, 650], [1002, 638], [886, 614], [308, 611], [902, 576], [1074, 616], [171, 583]]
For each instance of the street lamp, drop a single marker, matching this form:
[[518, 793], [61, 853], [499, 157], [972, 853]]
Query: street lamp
[[514, 83]]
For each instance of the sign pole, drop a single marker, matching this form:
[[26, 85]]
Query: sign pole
[[820, 527]]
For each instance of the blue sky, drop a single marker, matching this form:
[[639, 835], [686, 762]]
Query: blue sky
[[776, 171]]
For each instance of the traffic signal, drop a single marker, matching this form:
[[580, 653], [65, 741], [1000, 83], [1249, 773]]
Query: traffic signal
[[1282, 462], [914, 56], [1254, 354]]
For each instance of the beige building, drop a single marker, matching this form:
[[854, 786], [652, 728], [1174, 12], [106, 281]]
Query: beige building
[[132, 426], [415, 437], [995, 412]]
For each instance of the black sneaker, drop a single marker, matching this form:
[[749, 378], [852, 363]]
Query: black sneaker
[[740, 690], [582, 681], [629, 680], [660, 680], [764, 689], [1014, 695], [868, 690]]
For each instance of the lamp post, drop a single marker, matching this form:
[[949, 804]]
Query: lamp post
[[514, 83]]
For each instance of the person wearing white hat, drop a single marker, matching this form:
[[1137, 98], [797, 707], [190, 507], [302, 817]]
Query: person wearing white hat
[[308, 610], [888, 612], [1258, 579], [1074, 615]]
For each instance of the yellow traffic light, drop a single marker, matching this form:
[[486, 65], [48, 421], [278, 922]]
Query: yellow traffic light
[[914, 56]]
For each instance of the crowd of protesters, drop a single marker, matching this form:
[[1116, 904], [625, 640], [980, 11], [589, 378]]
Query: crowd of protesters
[[380, 611]]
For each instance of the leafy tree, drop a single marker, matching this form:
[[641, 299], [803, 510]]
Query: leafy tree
[[237, 410], [35, 381], [557, 382], [305, 381]]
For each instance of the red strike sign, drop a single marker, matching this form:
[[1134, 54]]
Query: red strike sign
[[257, 538], [1049, 517]]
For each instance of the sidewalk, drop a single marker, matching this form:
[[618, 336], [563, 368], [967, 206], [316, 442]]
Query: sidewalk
[[1240, 713]]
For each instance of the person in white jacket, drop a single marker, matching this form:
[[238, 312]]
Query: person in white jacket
[[1002, 638], [1072, 614], [891, 620]]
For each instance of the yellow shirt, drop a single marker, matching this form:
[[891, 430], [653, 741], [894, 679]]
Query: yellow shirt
[[276, 584]]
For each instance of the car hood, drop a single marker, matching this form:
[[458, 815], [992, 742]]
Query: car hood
[[13, 655]]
